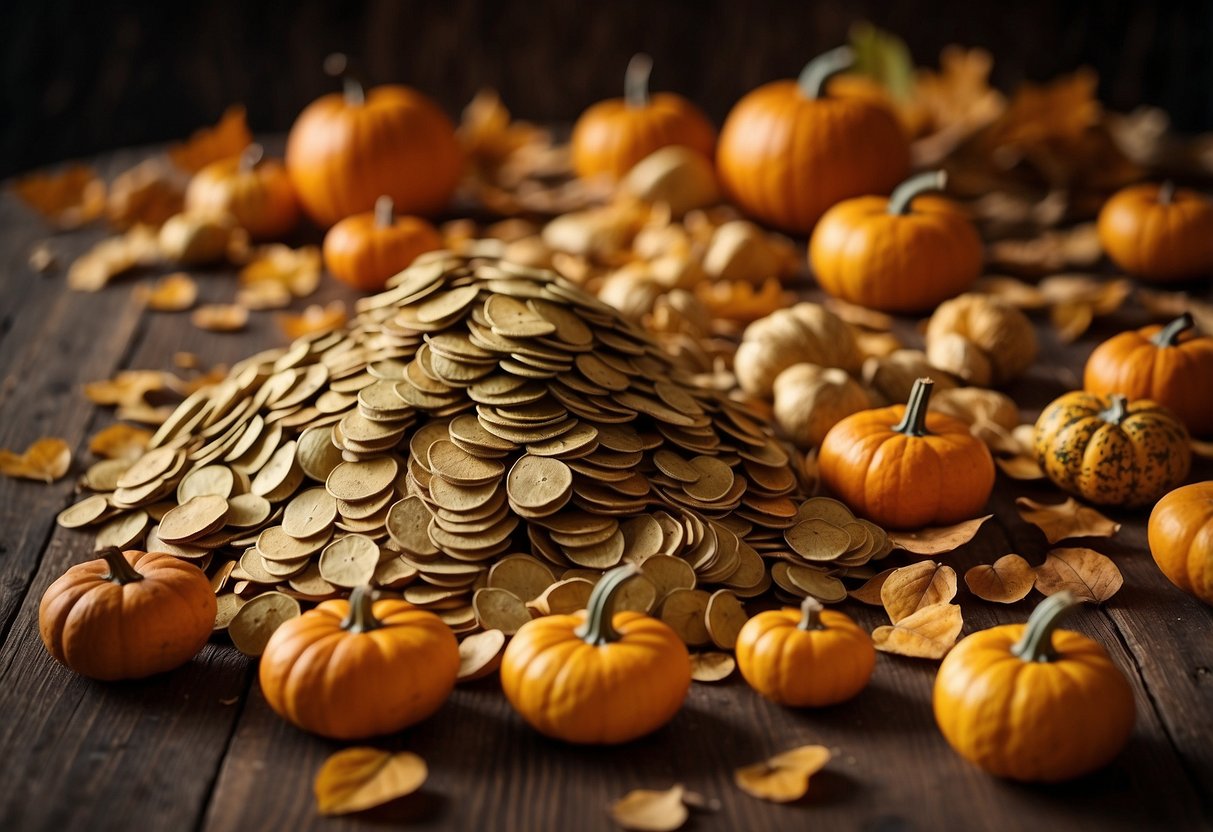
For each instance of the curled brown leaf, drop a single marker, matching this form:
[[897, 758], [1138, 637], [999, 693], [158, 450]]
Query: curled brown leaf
[[1060, 521]]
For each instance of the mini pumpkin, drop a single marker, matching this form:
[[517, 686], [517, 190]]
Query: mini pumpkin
[[904, 467], [1170, 364], [807, 657], [809, 400], [788, 151], [806, 333], [1158, 232], [127, 615], [366, 249], [1111, 451], [610, 137], [359, 668], [346, 149], [1181, 538], [1032, 702], [981, 339], [906, 253], [254, 190], [594, 677]]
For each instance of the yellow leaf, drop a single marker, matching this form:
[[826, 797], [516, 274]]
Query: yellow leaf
[[1005, 581], [919, 585], [1086, 573], [47, 460], [784, 777], [220, 317], [645, 810], [119, 441], [68, 199], [210, 144], [938, 539], [926, 634], [314, 320], [176, 292], [1020, 467], [1065, 520], [111, 257], [362, 778], [869, 593], [296, 269]]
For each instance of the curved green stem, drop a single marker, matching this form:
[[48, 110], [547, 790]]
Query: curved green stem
[[338, 64], [250, 157], [813, 77], [1166, 192], [1036, 645], [1168, 336], [598, 628], [361, 617], [636, 80], [903, 194], [810, 614], [1117, 411], [914, 422], [385, 212], [121, 572]]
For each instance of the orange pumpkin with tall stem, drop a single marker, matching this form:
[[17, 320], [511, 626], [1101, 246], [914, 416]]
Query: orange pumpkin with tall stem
[[366, 249]]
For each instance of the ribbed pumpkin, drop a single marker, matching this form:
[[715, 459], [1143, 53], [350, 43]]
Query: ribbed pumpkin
[[346, 149], [611, 136], [905, 253], [1181, 538], [905, 468], [787, 152], [807, 657], [1031, 702], [127, 615], [1170, 364], [594, 677], [359, 668], [255, 190], [1111, 451], [366, 249], [1159, 232]]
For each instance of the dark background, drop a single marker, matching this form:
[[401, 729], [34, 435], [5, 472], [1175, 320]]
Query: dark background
[[80, 77]]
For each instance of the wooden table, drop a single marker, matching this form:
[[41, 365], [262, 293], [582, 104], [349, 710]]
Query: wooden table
[[199, 749]]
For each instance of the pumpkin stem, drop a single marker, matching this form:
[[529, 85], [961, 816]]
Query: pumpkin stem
[[121, 571], [1166, 192], [810, 614], [1117, 411], [385, 212], [361, 617], [251, 157], [914, 422], [338, 65], [636, 80], [1168, 336], [813, 77], [903, 195], [598, 628], [1036, 644]]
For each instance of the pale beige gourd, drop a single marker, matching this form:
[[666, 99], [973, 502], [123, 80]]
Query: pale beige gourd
[[675, 176], [981, 339], [740, 250], [976, 405], [890, 378], [809, 400], [804, 333], [196, 238]]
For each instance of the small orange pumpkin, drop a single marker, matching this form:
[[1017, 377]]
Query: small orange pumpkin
[[1171, 365], [366, 249], [346, 149], [1031, 702], [808, 657], [1181, 538], [788, 152], [594, 677], [905, 468], [1158, 232], [611, 136], [904, 253], [256, 191], [1111, 451], [359, 668], [127, 615]]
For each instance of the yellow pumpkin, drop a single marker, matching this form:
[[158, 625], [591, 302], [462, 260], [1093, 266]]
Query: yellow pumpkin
[[594, 677], [254, 190], [1031, 702], [1181, 538]]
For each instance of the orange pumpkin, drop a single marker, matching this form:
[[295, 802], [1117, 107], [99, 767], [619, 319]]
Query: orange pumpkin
[[594, 677], [1031, 702], [359, 668], [808, 657], [610, 137], [127, 615], [346, 149], [905, 253], [256, 191], [1159, 232], [1181, 538], [366, 249], [788, 152], [1171, 365], [905, 468]]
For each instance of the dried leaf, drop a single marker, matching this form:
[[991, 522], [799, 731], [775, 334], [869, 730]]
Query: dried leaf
[[738, 300], [111, 257], [1061, 521], [210, 144], [1013, 291], [1005, 581], [939, 539], [1048, 253], [916, 586], [958, 101], [175, 292], [784, 777], [129, 388], [860, 316], [68, 198], [315, 319], [1202, 449], [1022, 466], [926, 634], [298, 270], [46, 460], [1086, 573], [1170, 305], [147, 194], [220, 317], [869, 593], [263, 294], [119, 441], [1071, 319], [362, 778], [712, 666], [645, 810], [41, 257]]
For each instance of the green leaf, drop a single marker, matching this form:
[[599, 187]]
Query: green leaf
[[883, 57]]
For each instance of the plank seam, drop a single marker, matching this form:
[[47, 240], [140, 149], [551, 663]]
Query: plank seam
[[213, 781]]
